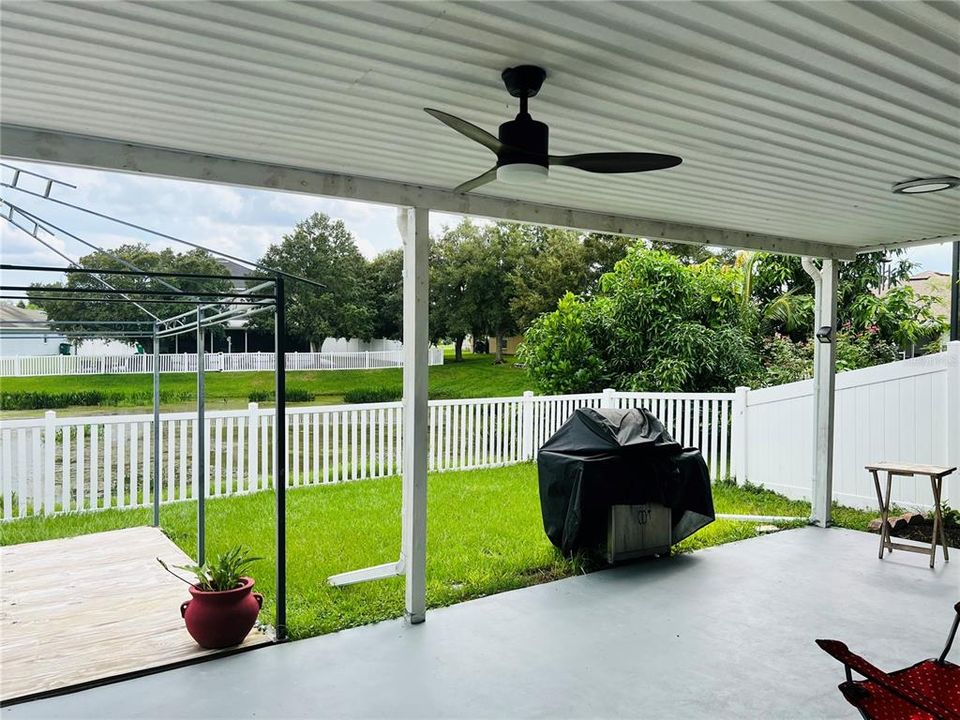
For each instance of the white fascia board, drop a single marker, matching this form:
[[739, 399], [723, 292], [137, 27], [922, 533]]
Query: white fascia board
[[37, 145], [933, 240]]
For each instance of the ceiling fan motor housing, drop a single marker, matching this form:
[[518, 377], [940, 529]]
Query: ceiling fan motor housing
[[525, 141]]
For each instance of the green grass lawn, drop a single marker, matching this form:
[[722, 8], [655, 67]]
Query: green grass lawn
[[485, 536], [476, 376]]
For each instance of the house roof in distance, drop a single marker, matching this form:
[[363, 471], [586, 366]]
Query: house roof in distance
[[17, 318]]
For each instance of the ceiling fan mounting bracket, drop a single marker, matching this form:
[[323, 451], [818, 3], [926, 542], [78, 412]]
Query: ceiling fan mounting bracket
[[524, 81]]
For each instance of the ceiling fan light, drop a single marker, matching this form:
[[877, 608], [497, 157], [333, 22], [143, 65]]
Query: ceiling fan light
[[522, 173], [926, 185]]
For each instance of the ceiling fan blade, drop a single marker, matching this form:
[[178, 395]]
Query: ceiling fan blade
[[489, 176], [463, 127], [614, 162]]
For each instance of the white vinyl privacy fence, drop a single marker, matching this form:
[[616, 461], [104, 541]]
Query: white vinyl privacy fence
[[213, 362], [906, 411], [51, 465]]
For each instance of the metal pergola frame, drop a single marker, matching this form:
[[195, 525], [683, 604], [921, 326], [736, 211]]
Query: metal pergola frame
[[243, 303]]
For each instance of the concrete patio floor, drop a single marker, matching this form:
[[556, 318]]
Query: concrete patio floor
[[723, 633]]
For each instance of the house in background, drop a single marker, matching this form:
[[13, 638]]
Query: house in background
[[27, 333]]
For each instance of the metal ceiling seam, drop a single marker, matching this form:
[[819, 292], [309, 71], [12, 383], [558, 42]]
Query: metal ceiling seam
[[25, 143]]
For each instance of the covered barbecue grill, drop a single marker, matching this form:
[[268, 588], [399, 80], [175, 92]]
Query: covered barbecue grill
[[600, 458]]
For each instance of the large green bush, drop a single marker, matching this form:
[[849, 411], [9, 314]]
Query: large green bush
[[656, 325], [558, 349]]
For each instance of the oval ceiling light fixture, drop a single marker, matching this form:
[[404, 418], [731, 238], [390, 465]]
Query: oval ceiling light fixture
[[926, 185]]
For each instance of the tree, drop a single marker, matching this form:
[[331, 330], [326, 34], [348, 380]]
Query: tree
[[500, 253], [65, 314], [603, 252], [385, 280], [869, 298], [323, 250], [454, 311], [556, 262]]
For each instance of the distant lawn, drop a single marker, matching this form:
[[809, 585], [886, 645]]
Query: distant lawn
[[476, 376], [485, 536]]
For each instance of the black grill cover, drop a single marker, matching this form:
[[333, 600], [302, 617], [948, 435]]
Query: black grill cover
[[600, 458]]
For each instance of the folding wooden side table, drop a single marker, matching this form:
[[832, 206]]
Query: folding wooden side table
[[936, 474]]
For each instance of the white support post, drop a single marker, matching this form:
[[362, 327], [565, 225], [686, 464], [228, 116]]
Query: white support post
[[415, 228], [824, 380], [526, 407], [953, 406], [738, 434], [609, 399]]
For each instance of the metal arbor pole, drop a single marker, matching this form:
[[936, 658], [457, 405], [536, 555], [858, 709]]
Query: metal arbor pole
[[200, 459], [156, 427], [280, 456]]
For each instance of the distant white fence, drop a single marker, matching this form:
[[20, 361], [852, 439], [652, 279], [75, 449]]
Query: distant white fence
[[906, 411], [53, 465], [213, 362]]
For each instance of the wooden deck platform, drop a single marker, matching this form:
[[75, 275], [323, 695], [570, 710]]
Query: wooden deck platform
[[85, 609]]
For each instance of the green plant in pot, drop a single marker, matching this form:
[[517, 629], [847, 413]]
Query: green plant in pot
[[224, 607]]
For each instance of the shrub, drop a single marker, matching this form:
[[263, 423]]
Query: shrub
[[373, 394], [656, 324], [43, 400], [558, 350], [292, 394]]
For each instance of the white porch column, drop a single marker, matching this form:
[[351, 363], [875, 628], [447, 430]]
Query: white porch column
[[415, 229], [824, 377]]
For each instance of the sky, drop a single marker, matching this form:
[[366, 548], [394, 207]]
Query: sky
[[238, 221]]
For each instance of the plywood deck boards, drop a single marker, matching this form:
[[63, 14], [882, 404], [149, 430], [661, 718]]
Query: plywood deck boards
[[88, 608]]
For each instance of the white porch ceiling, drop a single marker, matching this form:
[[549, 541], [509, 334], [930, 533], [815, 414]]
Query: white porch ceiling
[[793, 118]]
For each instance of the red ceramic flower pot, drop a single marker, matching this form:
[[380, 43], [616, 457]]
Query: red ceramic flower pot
[[222, 618]]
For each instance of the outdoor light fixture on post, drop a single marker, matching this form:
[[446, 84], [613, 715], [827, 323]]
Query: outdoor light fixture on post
[[825, 334]]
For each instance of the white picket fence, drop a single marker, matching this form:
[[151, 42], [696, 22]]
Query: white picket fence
[[907, 411], [53, 465], [25, 366]]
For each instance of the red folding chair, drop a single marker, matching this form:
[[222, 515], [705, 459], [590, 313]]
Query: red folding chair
[[929, 690]]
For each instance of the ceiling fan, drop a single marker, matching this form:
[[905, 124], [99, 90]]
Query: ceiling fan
[[521, 147]]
